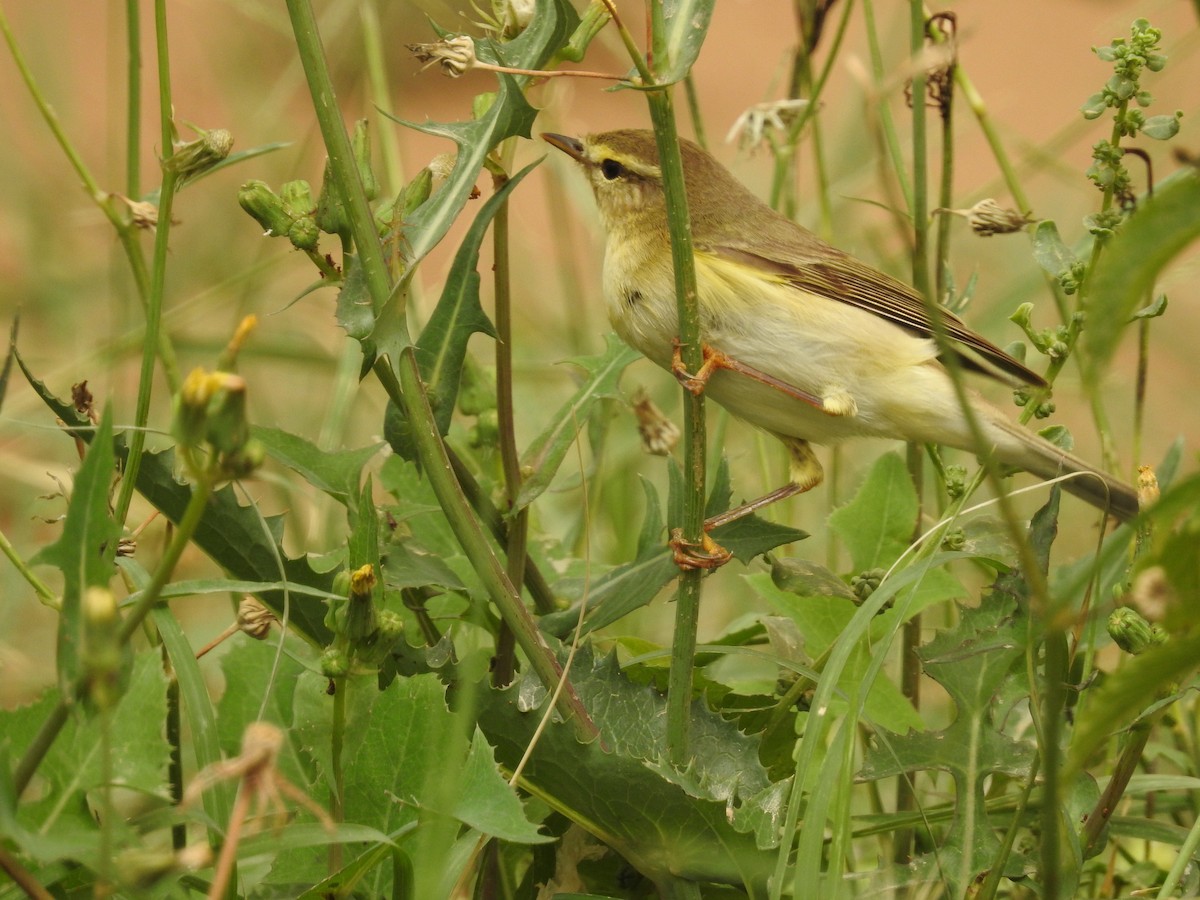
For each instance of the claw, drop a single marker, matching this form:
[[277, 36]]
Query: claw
[[707, 554]]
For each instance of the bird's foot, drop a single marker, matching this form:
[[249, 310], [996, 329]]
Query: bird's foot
[[704, 555]]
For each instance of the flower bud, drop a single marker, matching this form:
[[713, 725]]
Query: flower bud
[[455, 55], [192, 159], [334, 663], [266, 207], [101, 655], [362, 619], [1132, 633]]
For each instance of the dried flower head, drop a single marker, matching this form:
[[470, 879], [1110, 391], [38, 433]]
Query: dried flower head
[[750, 128], [455, 55], [987, 217], [254, 619], [1147, 486], [659, 434]]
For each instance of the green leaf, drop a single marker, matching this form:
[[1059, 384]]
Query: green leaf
[[336, 472], [546, 453], [58, 821], [686, 26], [1155, 234], [808, 579], [711, 823], [354, 311], [85, 550], [877, 524], [1161, 128], [1152, 310], [509, 115], [551, 26], [971, 661], [1054, 256], [442, 346]]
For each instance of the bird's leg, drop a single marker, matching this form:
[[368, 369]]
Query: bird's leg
[[804, 472], [714, 359]]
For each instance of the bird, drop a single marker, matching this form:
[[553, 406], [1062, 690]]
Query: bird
[[799, 338]]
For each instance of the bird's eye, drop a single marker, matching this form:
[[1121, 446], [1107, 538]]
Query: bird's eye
[[611, 169]]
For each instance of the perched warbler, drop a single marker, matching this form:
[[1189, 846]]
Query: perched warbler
[[799, 338]]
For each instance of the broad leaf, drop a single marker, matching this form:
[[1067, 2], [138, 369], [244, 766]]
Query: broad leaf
[[336, 472], [686, 26], [715, 822]]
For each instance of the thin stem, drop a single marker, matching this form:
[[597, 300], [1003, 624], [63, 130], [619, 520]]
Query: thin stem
[[687, 606], [465, 526], [45, 596], [337, 790], [518, 530], [133, 89]]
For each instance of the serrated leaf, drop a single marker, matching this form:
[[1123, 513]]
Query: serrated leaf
[[752, 536], [667, 823], [877, 524], [970, 661], [509, 115], [552, 24], [543, 457], [442, 346], [85, 550], [57, 823], [354, 310], [1154, 235], [336, 472]]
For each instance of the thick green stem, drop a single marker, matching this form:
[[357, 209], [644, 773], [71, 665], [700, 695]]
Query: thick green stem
[[465, 526], [687, 606], [510, 460]]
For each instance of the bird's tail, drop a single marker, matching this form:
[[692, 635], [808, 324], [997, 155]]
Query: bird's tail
[[1029, 451]]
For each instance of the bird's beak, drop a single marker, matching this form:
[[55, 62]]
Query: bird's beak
[[573, 147]]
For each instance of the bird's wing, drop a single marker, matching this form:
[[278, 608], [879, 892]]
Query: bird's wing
[[839, 276]]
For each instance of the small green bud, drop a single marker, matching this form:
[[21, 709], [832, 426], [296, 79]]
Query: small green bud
[[1131, 632], [417, 191], [478, 390], [389, 633], [268, 209], [865, 583], [334, 663], [956, 481], [955, 539], [102, 652], [304, 234], [243, 461], [486, 430], [297, 198], [1044, 410]]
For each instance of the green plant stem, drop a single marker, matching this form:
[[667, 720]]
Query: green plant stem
[[1054, 701], [133, 93], [156, 296], [890, 136], [401, 377], [112, 207], [535, 582], [22, 877], [465, 526], [377, 76], [1125, 768], [991, 883], [1182, 860], [693, 104], [1140, 387], [516, 540], [337, 790], [45, 596], [57, 717], [687, 603]]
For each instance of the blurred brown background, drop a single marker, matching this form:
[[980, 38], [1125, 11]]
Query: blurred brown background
[[234, 67]]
